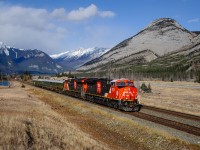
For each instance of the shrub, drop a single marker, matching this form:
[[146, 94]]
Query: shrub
[[149, 88], [146, 89]]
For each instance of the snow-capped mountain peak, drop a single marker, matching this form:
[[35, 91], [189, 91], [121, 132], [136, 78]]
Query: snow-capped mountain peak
[[79, 52], [2, 44], [55, 56], [3, 48], [78, 57], [17, 60]]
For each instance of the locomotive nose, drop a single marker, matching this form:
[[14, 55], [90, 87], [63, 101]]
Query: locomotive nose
[[127, 96]]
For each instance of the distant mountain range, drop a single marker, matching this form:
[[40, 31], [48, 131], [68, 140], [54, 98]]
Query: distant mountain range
[[161, 44], [71, 60], [14, 60]]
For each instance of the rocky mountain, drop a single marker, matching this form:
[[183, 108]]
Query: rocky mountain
[[71, 60], [19, 60], [161, 38], [186, 58]]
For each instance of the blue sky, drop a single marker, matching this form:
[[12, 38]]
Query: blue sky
[[55, 26]]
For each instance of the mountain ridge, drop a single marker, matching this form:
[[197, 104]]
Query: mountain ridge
[[161, 37], [13, 60], [74, 59]]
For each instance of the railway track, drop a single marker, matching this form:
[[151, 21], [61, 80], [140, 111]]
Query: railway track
[[169, 123], [166, 122], [173, 113]]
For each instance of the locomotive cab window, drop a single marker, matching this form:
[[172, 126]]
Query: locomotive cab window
[[120, 84], [129, 84], [112, 83]]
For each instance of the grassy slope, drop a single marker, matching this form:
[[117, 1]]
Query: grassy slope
[[28, 123], [54, 121], [117, 131]]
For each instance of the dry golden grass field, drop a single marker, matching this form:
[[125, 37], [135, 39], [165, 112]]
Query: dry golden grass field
[[33, 118], [28, 123], [178, 96]]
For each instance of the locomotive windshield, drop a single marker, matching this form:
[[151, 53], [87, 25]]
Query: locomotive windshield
[[122, 84], [129, 84]]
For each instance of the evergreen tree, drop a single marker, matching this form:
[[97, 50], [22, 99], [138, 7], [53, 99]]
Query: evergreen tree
[[146, 89], [149, 88], [198, 77], [143, 86], [26, 76], [1, 75], [70, 75]]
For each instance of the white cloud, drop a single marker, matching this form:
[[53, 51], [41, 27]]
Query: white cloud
[[81, 13], [26, 17], [106, 14], [59, 13], [30, 38], [194, 20], [31, 28]]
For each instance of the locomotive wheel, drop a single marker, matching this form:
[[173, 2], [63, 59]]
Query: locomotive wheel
[[137, 108], [116, 106]]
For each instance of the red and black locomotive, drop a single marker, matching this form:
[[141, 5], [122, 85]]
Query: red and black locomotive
[[120, 93]]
